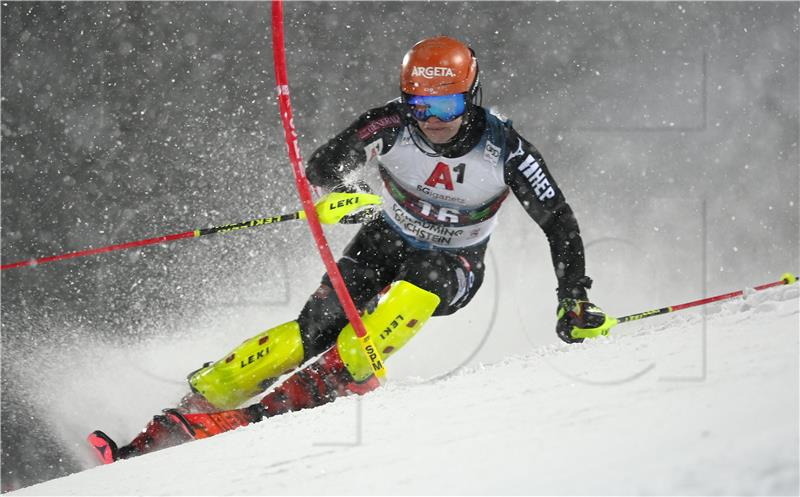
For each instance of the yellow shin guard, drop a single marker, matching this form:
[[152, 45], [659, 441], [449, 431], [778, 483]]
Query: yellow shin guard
[[251, 367], [398, 316]]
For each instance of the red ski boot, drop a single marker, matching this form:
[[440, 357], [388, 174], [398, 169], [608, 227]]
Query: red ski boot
[[318, 383], [321, 382]]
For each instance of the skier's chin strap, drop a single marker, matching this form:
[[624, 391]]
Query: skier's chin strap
[[421, 141]]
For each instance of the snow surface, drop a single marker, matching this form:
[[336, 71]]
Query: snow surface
[[697, 402]]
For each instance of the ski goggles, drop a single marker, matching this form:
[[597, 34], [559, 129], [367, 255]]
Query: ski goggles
[[444, 107]]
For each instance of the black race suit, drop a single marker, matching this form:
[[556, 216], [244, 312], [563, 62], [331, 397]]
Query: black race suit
[[412, 239]]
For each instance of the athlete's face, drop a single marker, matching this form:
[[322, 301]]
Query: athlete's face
[[439, 131]]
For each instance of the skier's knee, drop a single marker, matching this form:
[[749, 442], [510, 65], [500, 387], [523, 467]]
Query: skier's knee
[[250, 368], [451, 277], [399, 315], [321, 319]]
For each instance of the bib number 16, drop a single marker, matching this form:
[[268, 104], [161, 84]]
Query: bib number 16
[[443, 214]]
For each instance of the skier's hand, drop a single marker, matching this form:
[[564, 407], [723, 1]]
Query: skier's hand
[[348, 204], [354, 187], [579, 319]]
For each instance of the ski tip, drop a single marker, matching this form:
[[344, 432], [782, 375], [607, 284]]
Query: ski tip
[[104, 448]]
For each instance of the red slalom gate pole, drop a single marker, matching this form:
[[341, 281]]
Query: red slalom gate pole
[[303, 188], [787, 279]]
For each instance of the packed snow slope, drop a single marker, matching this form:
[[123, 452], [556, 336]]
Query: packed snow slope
[[699, 402]]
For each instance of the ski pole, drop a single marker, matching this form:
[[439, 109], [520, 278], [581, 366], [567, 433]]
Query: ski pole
[[786, 279], [156, 240], [330, 210]]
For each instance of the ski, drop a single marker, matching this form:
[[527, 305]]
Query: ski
[[207, 424], [104, 447], [163, 431]]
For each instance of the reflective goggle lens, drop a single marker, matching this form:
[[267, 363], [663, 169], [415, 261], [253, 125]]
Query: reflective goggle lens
[[444, 107]]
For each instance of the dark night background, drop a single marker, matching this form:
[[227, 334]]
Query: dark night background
[[126, 120]]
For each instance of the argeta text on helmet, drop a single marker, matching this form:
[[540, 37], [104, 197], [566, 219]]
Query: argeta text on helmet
[[432, 72]]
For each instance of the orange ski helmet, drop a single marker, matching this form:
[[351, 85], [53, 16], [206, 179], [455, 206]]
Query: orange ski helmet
[[439, 66]]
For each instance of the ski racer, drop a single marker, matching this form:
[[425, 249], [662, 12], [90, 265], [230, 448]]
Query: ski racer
[[447, 164]]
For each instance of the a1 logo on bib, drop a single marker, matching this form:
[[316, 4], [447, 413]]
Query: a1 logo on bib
[[373, 150], [441, 176]]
